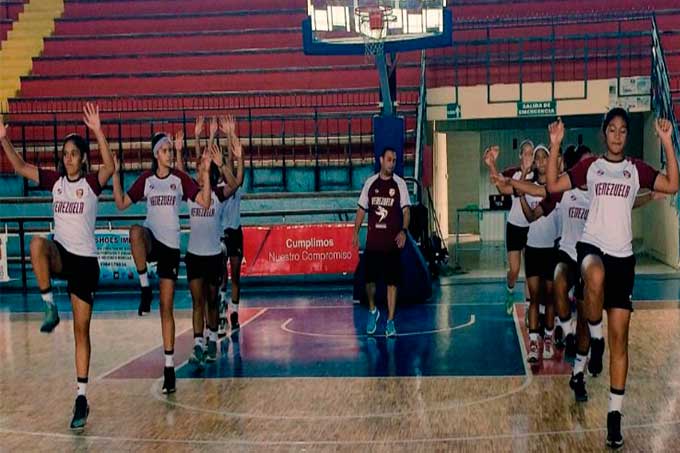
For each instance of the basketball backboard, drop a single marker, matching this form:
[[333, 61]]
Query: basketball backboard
[[343, 27]]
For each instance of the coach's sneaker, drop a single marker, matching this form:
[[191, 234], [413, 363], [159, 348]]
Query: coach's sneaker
[[596, 353], [211, 354], [390, 330], [51, 318], [548, 349], [372, 322], [145, 301], [532, 357], [169, 380], [509, 302], [578, 384], [198, 356], [233, 320], [80, 412], [614, 437]]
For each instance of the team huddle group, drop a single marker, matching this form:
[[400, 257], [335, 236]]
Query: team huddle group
[[215, 241], [571, 215]]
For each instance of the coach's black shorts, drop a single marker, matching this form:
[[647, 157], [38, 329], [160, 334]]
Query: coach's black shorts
[[383, 264], [619, 276], [515, 237], [233, 241], [540, 262], [210, 268], [573, 273], [80, 272], [166, 257]]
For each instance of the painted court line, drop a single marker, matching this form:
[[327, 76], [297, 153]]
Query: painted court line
[[285, 328]]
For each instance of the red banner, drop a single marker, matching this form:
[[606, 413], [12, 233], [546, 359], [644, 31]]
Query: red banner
[[298, 250]]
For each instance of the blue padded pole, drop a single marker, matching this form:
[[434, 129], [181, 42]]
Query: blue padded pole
[[381, 64]]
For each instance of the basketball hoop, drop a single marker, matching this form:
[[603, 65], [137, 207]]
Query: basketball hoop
[[373, 24]]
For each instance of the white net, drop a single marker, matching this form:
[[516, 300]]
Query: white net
[[373, 24]]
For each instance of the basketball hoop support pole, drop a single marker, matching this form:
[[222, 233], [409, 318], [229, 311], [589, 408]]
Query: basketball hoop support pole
[[381, 65]]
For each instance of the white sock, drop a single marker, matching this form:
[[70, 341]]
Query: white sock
[[82, 386], [566, 326], [580, 364], [549, 333], [373, 311], [198, 341], [510, 290], [533, 336], [233, 307], [595, 330], [48, 297], [144, 279], [615, 400], [212, 336], [541, 309], [170, 359]]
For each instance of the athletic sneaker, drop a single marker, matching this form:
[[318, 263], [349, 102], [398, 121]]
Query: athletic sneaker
[[145, 299], [390, 330], [509, 303], [169, 380], [80, 412], [533, 352], [233, 320], [222, 322], [578, 384], [548, 350], [51, 318], [211, 355], [198, 356], [596, 353], [614, 437], [570, 345], [372, 322]]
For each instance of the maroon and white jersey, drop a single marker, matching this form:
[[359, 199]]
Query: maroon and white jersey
[[545, 230], [206, 225], [384, 200], [163, 196], [612, 187], [516, 215], [573, 208], [75, 210]]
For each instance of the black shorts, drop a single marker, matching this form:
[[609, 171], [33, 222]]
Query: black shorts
[[166, 257], [540, 262], [209, 267], [383, 264], [80, 272], [619, 276], [515, 237], [573, 273], [233, 241]]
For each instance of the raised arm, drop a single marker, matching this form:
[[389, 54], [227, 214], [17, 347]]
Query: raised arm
[[667, 183], [123, 200], [93, 122], [21, 168], [527, 187], [531, 214], [198, 131], [554, 181], [497, 179], [179, 155]]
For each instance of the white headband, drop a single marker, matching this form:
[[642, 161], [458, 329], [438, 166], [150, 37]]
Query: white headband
[[541, 148], [160, 143]]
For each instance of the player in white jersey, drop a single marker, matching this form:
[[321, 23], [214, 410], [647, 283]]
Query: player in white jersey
[[231, 226], [517, 227], [539, 259], [605, 253], [164, 188], [72, 254]]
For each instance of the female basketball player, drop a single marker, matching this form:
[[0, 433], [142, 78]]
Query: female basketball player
[[158, 239], [605, 252], [72, 254]]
